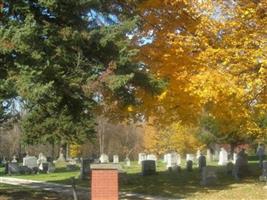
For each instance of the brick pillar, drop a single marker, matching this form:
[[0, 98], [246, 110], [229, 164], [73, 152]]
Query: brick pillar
[[104, 182]]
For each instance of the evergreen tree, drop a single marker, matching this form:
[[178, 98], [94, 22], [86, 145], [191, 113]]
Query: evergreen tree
[[63, 58]]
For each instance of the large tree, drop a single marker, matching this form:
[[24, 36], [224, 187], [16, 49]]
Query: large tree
[[65, 58], [213, 54]]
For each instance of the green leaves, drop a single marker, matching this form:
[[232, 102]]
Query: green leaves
[[53, 51]]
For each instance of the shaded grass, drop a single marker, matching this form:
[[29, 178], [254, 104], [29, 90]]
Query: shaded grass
[[9, 192]]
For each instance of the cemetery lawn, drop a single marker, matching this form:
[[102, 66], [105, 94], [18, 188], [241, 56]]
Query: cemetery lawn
[[175, 185], [8, 192]]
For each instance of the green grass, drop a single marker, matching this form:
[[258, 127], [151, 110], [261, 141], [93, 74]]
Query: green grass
[[176, 185]]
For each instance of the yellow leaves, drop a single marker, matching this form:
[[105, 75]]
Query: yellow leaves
[[74, 150], [177, 137], [130, 108], [162, 96], [214, 57]]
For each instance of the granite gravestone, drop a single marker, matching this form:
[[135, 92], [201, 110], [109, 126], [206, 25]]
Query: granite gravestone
[[13, 168], [201, 162], [229, 168], [241, 166], [148, 167], [208, 177], [85, 168], [189, 165], [51, 167], [263, 176]]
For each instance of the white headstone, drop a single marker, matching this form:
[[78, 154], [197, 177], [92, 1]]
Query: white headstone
[[30, 162], [223, 157], [173, 159], [165, 158], [141, 157], [115, 159], [190, 157], [216, 155], [209, 155], [151, 157], [14, 160], [128, 162], [234, 157], [178, 159], [41, 160], [61, 155], [104, 158], [198, 154]]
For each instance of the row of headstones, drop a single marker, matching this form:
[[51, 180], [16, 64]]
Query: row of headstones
[[32, 164], [238, 169], [104, 158]]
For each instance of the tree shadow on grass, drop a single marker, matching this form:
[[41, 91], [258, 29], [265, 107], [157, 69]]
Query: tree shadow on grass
[[183, 184], [8, 192]]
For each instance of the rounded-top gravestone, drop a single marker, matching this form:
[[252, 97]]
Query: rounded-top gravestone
[[189, 165], [148, 167]]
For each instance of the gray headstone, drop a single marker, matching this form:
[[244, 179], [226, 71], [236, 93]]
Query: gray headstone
[[13, 168], [263, 177], [189, 165], [30, 162], [148, 167], [201, 162], [71, 167], [85, 168], [241, 166], [51, 167], [229, 168], [208, 177]]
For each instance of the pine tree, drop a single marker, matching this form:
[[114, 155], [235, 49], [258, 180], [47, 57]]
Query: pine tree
[[64, 58]]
